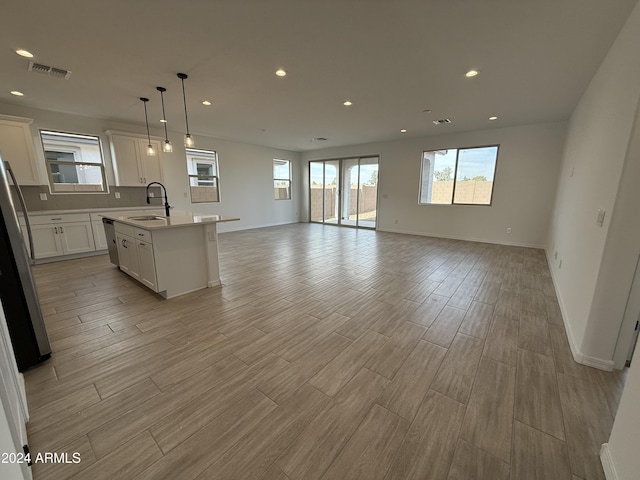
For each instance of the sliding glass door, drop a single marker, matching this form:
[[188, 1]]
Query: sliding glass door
[[344, 191]]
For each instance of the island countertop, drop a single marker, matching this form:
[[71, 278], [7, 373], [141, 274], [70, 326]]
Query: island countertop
[[176, 219]]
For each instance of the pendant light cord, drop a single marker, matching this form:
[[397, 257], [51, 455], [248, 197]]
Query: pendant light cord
[[184, 99], [146, 119], [164, 116]]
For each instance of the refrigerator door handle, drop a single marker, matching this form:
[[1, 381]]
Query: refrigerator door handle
[[26, 215]]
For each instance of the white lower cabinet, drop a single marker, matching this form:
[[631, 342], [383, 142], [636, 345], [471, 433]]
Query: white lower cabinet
[[99, 237], [128, 256], [147, 265], [46, 242], [136, 256], [62, 237]]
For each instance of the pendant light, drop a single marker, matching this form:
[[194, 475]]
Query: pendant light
[[150, 150], [166, 146], [188, 139]]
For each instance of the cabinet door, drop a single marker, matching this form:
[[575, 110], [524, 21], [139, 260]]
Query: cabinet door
[[16, 147], [46, 241], [76, 237], [126, 153], [99, 237], [147, 265], [151, 166], [126, 252]]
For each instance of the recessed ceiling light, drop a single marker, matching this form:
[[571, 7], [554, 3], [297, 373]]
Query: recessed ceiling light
[[24, 53], [347, 103], [493, 118], [17, 93], [404, 130], [280, 72], [471, 73], [206, 102], [426, 110], [162, 120]]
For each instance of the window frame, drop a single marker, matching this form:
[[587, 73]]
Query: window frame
[[77, 154], [193, 162], [455, 176], [287, 180]]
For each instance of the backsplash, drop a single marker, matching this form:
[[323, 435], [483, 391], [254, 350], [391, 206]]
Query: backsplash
[[129, 197]]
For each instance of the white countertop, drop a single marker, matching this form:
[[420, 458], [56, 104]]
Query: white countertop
[[177, 219]]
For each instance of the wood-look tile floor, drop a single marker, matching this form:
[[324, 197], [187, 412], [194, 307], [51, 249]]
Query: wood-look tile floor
[[328, 353]]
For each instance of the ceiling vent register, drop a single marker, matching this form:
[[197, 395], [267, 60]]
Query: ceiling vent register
[[48, 70], [442, 121]]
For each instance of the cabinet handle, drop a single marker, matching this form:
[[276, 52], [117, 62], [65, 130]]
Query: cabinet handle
[[53, 219], [124, 243], [61, 231], [55, 229], [141, 234]]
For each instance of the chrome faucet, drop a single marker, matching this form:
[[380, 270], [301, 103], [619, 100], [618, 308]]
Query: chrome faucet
[[166, 200]]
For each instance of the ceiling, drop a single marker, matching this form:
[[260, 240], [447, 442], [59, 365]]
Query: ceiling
[[391, 58]]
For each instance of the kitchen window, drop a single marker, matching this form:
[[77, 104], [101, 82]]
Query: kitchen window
[[458, 176], [282, 179], [202, 167], [74, 162]]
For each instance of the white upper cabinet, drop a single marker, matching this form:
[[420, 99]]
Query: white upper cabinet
[[16, 147], [131, 164]]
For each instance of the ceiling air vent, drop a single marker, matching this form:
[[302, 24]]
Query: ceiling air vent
[[318, 139], [47, 70], [441, 121]]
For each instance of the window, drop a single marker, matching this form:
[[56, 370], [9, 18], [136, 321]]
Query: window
[[74, 162], [282, 179], [202, 166], [458, 176]]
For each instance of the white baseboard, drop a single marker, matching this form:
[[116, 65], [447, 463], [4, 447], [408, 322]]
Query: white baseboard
[[607, 463], [467, 239], [578, 356]]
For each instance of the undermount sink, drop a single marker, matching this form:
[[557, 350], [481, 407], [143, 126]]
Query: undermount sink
[[146, 218]]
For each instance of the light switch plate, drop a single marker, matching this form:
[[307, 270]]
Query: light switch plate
[[600, 219], [117, 194], [43, 196]]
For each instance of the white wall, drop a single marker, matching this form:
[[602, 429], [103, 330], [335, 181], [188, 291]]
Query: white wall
[[524, 190], [598, 262], [246, 178]]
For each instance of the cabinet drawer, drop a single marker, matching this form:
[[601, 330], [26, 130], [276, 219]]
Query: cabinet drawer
[[125, 229], [64, 218], [143, 235]]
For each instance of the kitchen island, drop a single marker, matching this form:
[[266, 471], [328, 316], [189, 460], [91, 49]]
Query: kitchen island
[[171, 255]]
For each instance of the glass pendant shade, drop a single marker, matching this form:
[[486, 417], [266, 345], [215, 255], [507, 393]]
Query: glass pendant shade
[[150, 150], [188, 141], [167, 147]]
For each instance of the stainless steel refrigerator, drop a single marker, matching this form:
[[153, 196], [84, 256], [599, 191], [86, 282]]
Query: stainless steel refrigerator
[[17, 288]]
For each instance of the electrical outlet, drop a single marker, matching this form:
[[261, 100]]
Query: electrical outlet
[[560, 265], [43, 196], [117, 194], [508, 230], [151, 194], [600, 218], [555, 256]]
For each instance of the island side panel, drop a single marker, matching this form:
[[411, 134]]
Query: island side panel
[[181, 259], [211, 240]]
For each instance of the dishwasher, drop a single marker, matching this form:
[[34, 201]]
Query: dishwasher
[[110, 233]]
